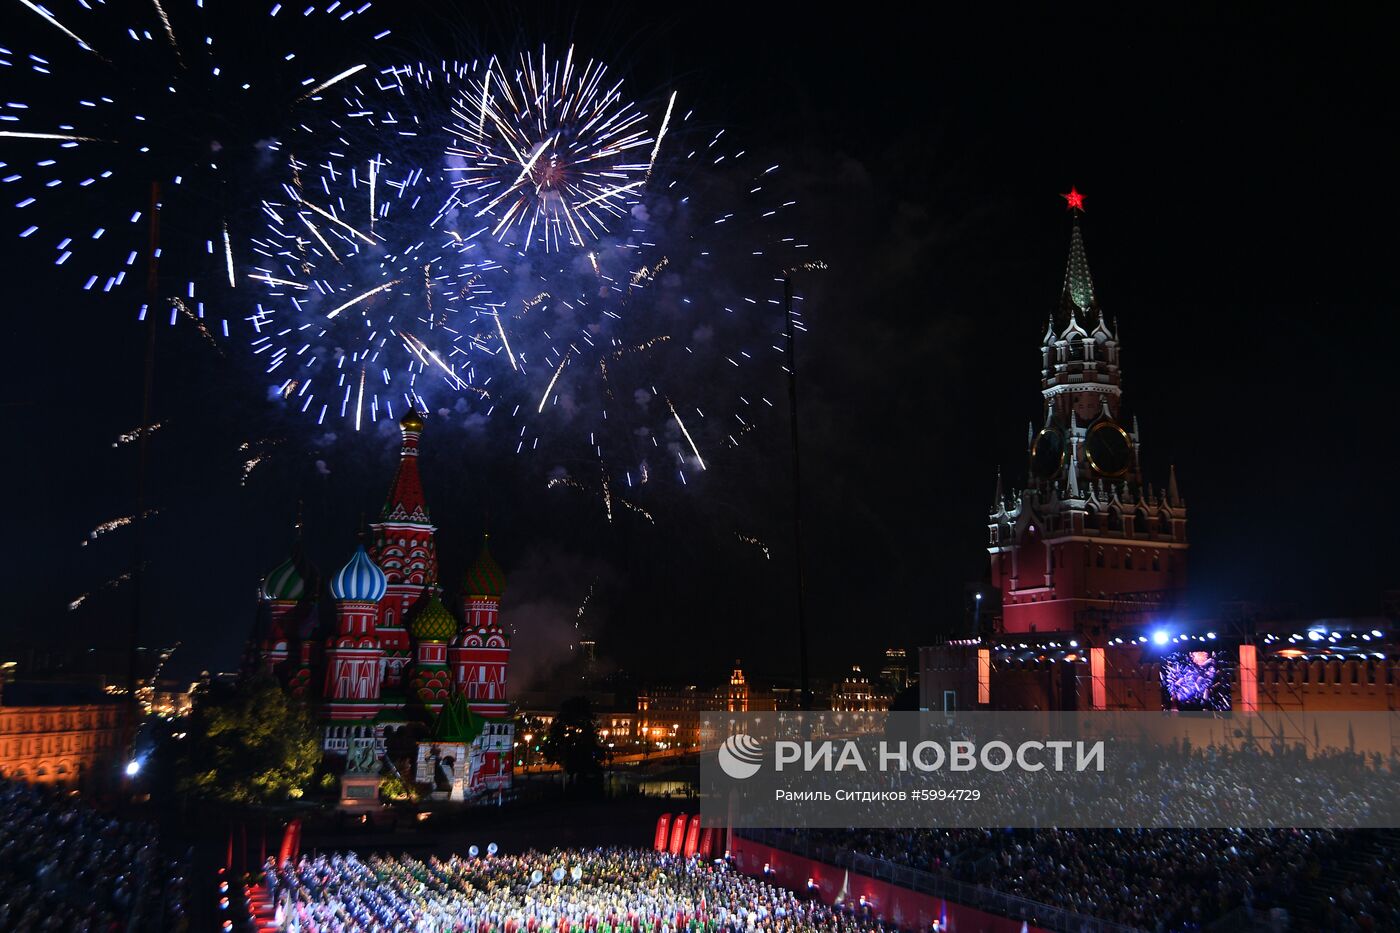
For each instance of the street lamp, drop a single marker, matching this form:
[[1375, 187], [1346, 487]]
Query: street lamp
[[791, 354]]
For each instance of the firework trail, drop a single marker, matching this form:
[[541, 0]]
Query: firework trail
[[111, 584], [131, 131], [137, 433], [112, 525], [604, 492], [750, 539]]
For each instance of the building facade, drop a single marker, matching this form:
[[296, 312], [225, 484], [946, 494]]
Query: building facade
[[855, 693], [381, 658], [59, 734]]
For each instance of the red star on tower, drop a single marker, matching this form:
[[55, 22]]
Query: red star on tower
[[1074, 201]]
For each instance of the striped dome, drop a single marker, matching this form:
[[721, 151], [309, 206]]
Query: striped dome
[[434, 622], [360, 580], [485, 577], [285, 581]]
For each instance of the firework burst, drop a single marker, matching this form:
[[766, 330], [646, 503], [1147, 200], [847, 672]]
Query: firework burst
[[550, 152], [624, 309], [131, 131], [366, 297]]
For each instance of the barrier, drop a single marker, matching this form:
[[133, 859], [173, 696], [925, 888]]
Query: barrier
[[906, 909]]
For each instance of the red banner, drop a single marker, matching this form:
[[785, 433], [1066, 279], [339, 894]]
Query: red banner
[[692, 836], [677, 834], [291, 842], [663, 828], [707, 843]]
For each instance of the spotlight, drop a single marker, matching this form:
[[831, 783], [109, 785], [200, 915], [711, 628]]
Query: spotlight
[[1160, 637], [133, 767]]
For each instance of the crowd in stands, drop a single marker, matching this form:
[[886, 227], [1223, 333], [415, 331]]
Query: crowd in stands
[[559, 891], [65, 866], [1153, 879], [1368, 900]]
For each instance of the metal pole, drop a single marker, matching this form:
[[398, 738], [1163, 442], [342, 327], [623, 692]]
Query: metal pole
[[796, 492], [138, 572]]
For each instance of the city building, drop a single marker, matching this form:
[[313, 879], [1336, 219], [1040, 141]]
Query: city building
[[1088, 563], [383, 655], [671, 715], [62, 734], [895, 672], [856, 694]]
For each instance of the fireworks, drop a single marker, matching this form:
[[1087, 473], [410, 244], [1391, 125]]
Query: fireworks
[[365, 292], [1192, 680], [518, 246], [755, 542], [132, 130], [550, 152], [77, 602], [113, 524], [137, 433]]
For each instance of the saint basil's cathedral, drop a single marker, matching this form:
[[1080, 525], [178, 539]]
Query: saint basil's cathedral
[[387, 655]]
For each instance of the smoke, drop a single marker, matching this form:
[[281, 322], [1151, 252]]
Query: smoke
[[541, 608]]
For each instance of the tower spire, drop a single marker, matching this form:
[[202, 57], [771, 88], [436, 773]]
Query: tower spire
[[406, 502], [1079, 285], [1077, 299]]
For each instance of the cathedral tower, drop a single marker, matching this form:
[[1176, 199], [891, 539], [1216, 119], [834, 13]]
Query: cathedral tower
[[353, 654], [1086, 544], [404, 548], [481, 654]]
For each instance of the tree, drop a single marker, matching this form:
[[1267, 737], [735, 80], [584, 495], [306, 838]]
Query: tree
[[572, 741], [249, 745]]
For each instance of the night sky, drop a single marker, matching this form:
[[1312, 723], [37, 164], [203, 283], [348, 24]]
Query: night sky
[[1240, 188]]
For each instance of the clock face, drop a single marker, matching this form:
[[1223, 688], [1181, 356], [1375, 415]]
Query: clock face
[[1109, 449], [1047, 453]]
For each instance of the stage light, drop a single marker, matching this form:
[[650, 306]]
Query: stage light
[[1210, 635], [1314, 635], [1160, 637], [133, 767]]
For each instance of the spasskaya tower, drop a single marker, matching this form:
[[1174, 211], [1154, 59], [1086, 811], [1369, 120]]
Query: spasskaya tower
[[1087, 543]]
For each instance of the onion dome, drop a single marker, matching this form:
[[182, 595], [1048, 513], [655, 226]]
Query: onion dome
[[434, 622], [411, 421], [485, 577], [360, 580], [285, 581]]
